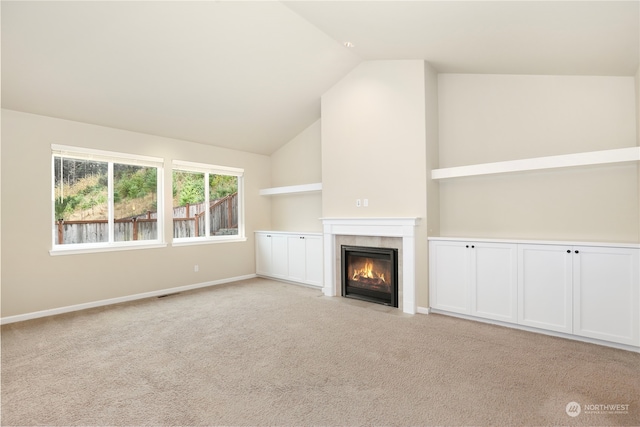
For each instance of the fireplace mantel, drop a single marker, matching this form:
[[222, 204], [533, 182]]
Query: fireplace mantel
[[405, 228]]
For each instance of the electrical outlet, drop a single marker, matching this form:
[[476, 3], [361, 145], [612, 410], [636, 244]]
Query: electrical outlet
[[358, 204], [365, 203], [196, 268]]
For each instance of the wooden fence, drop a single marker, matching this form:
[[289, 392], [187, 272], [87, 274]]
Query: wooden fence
[[188, 221]]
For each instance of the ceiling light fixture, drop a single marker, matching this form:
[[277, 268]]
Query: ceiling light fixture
[[348, 44]]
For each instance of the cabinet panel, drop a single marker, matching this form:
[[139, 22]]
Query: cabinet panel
[[494, 281], [279, 256], [313, 260], [449, 273], [263, 254], [606, 300], [545, 287], [297, 258]]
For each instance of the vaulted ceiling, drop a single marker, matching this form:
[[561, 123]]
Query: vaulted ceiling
[[249, 75]]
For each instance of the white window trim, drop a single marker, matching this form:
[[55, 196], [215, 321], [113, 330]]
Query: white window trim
[[81, 153], [207, 169], [89, 248], [191, 241], [203, 167]]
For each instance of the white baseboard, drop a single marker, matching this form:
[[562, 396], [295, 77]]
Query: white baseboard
[[423, 310], [539, 331], [111, 301]]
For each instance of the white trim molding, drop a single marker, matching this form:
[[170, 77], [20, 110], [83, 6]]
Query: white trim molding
[[404, 228], [424, 310], [111, 301]]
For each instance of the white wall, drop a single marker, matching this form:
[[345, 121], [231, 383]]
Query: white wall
[[33, 280], [488, 118], [373, 147], [298, 162]]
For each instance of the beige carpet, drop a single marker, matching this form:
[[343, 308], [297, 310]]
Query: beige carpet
[[261, 352]]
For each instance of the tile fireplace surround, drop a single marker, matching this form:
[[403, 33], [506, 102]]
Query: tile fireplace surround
[[340, 230]]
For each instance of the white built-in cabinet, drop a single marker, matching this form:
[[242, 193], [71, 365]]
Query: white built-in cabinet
[[295, 257], [474, 278], [545, 277], [493, 286], [449, 283], [590, 290], [271, 255], [606, 295]]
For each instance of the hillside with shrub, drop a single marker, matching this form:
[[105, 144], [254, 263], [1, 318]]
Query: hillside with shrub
[[84, 198]]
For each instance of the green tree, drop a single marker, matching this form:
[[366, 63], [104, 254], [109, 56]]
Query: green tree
[[222, 185], [188, 187]]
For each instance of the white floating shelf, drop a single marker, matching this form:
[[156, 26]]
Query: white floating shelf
[[630, 154], [304, 188]]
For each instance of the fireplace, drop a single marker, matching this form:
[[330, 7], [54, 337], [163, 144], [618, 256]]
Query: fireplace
[[362, 231], [370, 274]]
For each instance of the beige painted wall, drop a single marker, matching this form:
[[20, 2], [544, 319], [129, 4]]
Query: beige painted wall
[[487, 118], [33, 280], [373, 147], [298, 162], [432, 146], [490, 118], [637, 82], [431, 162], [373, 141]]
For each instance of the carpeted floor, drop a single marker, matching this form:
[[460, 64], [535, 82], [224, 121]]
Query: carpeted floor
[[261, 352]]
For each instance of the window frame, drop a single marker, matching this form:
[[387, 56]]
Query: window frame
[[110, 157], [208, 169]]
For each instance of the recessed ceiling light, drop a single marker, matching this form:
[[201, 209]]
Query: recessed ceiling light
[[348, 44]]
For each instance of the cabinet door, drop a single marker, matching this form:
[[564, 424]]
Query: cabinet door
[[494, 281], [545, 287], [279, 256], [449, 276], [263, 254], [606, 299], [297, 258], [313, 261]]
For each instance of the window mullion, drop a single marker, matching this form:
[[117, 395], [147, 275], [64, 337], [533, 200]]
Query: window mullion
[[241, 206], [160, 204], [53, 199], [207, 220], [110, 207]]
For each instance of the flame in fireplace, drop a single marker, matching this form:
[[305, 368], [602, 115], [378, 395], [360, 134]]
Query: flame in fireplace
[[367, 272]]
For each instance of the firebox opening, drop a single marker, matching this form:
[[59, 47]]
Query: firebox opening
[[370, 274]]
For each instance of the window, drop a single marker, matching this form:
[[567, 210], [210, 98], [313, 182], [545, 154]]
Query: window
[[207, 202], [103, 199]]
